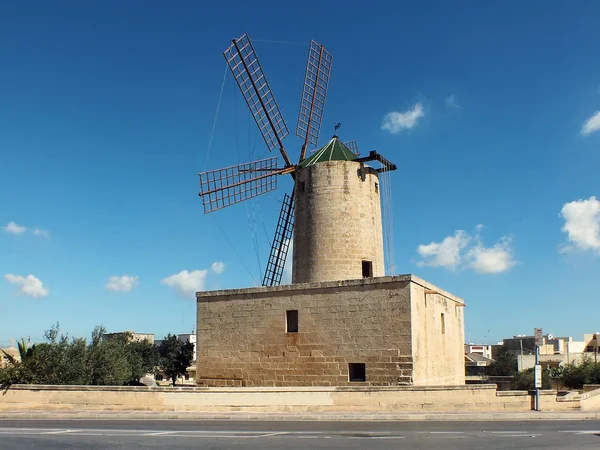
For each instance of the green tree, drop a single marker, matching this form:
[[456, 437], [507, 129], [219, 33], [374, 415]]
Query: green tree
[[143, 359], [107, 360], [175, 356], [504, 365]]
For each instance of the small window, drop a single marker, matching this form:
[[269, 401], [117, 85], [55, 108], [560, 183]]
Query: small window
[[291, 321], [376, 187], [367, 269], [357, 372], [301, 186], [443, 324]]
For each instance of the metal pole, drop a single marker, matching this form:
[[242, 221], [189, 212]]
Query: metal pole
[[537, 389]]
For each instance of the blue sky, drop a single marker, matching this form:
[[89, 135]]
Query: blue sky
[[491, 110]]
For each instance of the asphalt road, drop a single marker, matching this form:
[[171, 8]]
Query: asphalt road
[[129, 434]]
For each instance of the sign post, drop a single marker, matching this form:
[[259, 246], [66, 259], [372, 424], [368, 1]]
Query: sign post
[[537, 370]]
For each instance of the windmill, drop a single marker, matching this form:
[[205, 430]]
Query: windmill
[[230, 185]]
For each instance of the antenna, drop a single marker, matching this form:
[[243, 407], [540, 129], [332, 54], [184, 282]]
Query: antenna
[[314, 93]]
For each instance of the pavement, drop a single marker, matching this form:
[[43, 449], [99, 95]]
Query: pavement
[[232, 434], [300, 416]]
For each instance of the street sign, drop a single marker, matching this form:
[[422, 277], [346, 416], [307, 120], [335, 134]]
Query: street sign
[[537, 375], [539, 340]]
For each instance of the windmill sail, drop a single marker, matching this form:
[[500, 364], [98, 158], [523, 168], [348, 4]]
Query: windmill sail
[[223, 187], [353, 146], [316, 82], [253, 84], [281, 243]]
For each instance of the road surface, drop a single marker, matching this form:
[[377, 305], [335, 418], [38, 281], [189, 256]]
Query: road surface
[[231, 434]]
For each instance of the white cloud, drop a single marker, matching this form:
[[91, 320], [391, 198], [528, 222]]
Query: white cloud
[[495, 259], [446, 253], [124, 283], [451, 101], [187, 283], [41, 232], [462, 250], [218, 267], [582, 224], [396, 121], [591, 125], [13, 228], [29, 285]]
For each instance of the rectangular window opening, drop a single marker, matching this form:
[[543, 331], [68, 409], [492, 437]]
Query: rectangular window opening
[[376, 187], [357, 372], [291, 321], [301, 186], [367, 269], [443, 324]]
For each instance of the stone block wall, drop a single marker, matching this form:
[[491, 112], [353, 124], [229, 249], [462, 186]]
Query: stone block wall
[[337, 222], [437, 336], [269, 400], [242, 338]]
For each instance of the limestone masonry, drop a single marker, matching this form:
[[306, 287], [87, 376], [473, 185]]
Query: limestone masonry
[[337, 223], [373, 331]]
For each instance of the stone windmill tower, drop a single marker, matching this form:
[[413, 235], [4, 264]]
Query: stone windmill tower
[[334, 209]]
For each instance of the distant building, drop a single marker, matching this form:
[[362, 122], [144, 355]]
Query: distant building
[[555, 351], [191, 338], [476, 364], [484, 350], [8, 352], [131, 336]]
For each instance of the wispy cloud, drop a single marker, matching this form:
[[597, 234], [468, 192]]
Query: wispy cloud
[[582, 224], [591, 125], [41, 232], [446, 253], [462, 250], [123, 283], [218, 267], [29, 285], [14, 228], [451, 101], [187, 283], [396, 121]]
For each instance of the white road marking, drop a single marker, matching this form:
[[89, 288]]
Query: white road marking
[[60, 432], [278, 433]]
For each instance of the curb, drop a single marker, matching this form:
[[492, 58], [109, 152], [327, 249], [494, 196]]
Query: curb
[[323, 417]]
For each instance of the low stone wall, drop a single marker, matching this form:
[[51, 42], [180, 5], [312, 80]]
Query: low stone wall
[[590, 401], [293, 399]]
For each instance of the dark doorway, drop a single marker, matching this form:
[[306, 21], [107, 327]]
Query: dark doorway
[[367, 269], [357, 372], [291, 321]]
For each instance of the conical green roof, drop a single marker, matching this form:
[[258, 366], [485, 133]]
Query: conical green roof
[[334, 150]]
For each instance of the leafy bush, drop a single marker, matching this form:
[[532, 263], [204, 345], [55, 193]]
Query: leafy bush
[[112, 361], [525, 380], [574, 376]]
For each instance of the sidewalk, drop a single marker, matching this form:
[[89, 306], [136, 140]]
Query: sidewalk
[[304, 416]]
